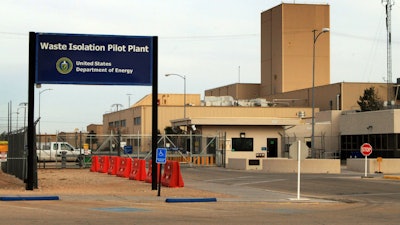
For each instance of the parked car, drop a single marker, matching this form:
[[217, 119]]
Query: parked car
[[53, 151]]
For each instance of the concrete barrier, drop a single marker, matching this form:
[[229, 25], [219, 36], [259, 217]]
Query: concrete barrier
[[389, 166], [244, 164], [283, 165]]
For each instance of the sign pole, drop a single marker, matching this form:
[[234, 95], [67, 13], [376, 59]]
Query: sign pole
[[159, 180], [298, 173], [298, 169], [366, 165], [31, 180], [154, 116], [366, 150], [161, 158]]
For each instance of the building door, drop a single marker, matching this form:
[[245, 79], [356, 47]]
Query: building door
[[272, 147]]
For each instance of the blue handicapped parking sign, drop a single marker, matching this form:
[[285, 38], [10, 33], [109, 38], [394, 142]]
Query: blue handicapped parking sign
[[161, 156]]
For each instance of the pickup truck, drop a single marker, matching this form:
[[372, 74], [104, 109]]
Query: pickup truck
[[52, 151]]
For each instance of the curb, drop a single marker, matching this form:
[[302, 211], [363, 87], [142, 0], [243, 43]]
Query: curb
[[178, 200], [28, 198], [391, 177]]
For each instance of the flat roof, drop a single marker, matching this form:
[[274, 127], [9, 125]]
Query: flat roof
[[260, 121]]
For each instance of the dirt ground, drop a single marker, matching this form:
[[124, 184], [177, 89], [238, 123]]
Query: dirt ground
[[84, 182], [98, 198]]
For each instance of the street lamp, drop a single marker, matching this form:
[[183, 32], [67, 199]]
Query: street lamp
[[324, 30], [129, 100], [24, 104], [184, 90], [18, 115], [40, 93]]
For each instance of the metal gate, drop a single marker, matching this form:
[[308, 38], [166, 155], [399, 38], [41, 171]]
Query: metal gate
[[192, 149]]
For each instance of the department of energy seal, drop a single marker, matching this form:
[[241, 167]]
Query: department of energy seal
[[64, 65]]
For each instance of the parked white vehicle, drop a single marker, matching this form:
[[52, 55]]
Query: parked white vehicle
[[53, 151]]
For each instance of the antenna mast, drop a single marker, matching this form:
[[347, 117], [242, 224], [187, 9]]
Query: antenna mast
[[388, 5]]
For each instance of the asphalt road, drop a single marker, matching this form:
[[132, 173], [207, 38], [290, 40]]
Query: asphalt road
[[253, 198], [345, 187]]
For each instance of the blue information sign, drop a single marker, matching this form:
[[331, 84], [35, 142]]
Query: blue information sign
[[128, 149], [93, 59], [161, 155]]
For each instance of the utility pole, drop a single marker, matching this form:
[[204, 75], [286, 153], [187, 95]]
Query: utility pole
[[388, 5]]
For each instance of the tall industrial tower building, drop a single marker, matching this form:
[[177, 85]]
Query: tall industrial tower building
[[287, 40]]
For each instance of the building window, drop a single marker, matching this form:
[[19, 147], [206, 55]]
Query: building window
[[383, 145], [117, 123], [345, 141], [123, 123], [137, 120], [242, 144], [111, 124], [356, 141], [365, 139], [375, 140], [391, 141], [398, 141], [384, 141]]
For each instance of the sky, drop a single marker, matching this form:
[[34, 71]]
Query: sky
[[212, 42]]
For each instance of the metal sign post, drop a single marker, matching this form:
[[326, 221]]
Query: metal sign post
[[298, 172], [161, 159], [366, 150], [298, 169]]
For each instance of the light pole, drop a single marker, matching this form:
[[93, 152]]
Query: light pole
[[129, 100], [18, 115], [24, 104], [184, 90], [40, 93], [16, 128], [324, 30]]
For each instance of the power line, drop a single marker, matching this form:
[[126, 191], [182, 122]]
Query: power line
[[225, 36], [202, 37]]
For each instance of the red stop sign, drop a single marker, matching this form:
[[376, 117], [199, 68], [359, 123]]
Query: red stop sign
[[366, 149]]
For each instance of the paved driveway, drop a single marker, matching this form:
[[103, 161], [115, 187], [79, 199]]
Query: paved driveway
[[252, 197]]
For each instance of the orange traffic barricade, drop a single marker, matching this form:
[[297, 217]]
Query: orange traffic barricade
[[172, 176], [95, 164], [103, 164], [138, 170], [114, 165], [124, 168], [150, 173]]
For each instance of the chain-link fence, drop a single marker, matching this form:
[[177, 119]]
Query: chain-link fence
[[325, 147], [190, 148], [186, 148], [17, 154]]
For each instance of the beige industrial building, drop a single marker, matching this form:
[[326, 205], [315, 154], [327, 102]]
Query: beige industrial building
[[209, 118], [338, 96], [287, 63], [379, 128], [264, 120], [287, 47]]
